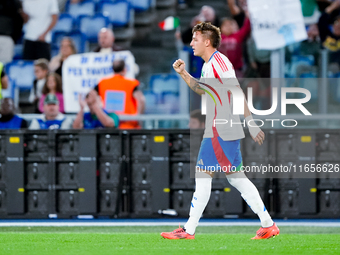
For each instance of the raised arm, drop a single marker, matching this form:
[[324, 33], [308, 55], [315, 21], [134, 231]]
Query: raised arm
[[78, 122], [179, 67], [333, 6], [234, 9], [106, 120]]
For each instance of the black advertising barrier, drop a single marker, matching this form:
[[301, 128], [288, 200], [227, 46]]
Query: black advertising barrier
[[14, 167], [137, 173]]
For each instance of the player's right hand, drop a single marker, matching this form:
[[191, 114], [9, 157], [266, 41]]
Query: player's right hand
[[179, 66]]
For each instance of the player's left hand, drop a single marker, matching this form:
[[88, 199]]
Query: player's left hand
[[259, 138]]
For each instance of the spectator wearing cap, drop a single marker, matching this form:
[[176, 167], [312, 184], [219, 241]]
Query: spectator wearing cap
[[8, 118], [52, 118], [97, 117]]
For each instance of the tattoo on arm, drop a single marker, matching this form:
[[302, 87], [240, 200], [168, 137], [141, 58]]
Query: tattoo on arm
[[194, 85]]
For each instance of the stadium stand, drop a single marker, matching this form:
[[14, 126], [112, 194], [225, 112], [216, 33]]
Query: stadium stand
[[161, 83], [150, 102], [78, 37], [141, 5], [21, 72], [121, 16], [17, 51], [64, 24], [145, 16], [21, 76], [301, 64], [90, 25], [135, 22], [310, 82], [86, 7], [334, 91]]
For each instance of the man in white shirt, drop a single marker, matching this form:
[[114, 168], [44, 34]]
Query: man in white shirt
[[42, 17], [221, 143]]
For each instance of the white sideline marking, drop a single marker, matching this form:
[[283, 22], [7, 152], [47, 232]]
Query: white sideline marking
[[160, 223]]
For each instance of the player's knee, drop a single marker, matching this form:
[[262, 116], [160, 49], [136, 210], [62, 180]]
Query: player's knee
[[235, 179]]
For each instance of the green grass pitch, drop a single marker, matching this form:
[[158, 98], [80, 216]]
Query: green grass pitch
[[146, 240]]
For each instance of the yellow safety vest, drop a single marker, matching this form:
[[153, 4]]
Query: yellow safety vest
[[1, 68]]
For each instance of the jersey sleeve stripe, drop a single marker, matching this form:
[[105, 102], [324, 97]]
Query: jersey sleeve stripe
[[225, 65], [221, 63]]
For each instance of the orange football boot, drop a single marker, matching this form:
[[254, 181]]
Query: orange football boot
[[266, 233], [178, 233]]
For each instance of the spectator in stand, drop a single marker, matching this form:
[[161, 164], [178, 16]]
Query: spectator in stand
[[75, 1], [206, 14], [106, 41], [51, 118], [232, 43], [97, 117], [8, 118], [67, 48], [238, 10], [121, 95], [310, 11], [259, 59], [197, 120], [311, 46], [10, 28], [330, 37], [3, 80], [53, 86], [183, 4], [42, 17], [322, 4], [40, 72], [106, 44], [260, 64]]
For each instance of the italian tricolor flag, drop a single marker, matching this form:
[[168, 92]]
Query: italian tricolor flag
[[169, 23]]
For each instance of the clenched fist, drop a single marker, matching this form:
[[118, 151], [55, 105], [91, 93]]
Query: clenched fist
[[179, 66]]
